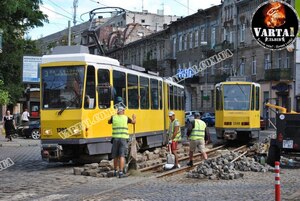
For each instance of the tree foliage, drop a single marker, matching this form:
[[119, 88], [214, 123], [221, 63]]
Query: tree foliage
[[16, 18], [4, 99]]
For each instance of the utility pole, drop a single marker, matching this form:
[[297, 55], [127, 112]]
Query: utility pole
[[75, 5]]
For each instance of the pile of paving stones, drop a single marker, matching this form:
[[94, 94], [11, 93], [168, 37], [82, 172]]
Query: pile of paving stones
[[102, 169], [150, 158], [145, 159], [222, 167]]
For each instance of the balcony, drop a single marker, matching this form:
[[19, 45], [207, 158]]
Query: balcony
[[278, 74], [222, 46]]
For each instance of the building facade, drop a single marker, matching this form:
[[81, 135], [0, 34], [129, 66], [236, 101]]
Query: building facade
[[194, 38]]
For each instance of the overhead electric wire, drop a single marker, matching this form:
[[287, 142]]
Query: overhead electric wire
[[98, 3], [60, 7], [56, 12], [184, 6]]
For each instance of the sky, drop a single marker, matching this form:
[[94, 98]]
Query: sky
[[61, 11]]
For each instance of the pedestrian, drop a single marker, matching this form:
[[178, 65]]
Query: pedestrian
[[25, 117], [174, 136], [197, 131], [120, 139], [9, 125]]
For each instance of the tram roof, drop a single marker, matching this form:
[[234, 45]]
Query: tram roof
[[83, 57]]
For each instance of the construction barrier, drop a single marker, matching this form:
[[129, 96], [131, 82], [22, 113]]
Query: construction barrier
[[277, 181]]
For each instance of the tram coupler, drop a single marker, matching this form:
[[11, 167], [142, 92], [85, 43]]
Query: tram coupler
[[51, 152], [230, 135]]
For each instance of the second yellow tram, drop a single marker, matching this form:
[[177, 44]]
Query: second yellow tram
[[237, 110]]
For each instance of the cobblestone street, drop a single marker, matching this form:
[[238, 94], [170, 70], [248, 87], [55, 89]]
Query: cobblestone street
[[30, 178]]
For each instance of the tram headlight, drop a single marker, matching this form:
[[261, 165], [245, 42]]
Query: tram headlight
[[48, 132]]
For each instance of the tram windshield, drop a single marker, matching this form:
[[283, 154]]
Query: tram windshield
[[62, 87], [237, 97]]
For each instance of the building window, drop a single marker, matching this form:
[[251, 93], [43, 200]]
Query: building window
[[196, 38], [231, 37], [254, 65], [191, 40], [213, 37], [287, 61], [212, 70], [225, 34], [279, 65], [185, 42], [267, 63], [243, 29], [202, 35], [180, 42], [242, 67]]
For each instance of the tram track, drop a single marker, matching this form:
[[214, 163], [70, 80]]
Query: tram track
[[212, 153]]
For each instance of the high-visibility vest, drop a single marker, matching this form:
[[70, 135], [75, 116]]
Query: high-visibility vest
[[198, 132], [178, 135], [120, 126]]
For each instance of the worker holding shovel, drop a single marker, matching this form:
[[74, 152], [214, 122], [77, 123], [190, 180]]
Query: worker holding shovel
[[120, 138]]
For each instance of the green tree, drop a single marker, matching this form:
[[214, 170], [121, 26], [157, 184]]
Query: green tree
[[4, 99], [16, 18]]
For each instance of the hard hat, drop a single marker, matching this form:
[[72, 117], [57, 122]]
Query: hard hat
[[171, 113]]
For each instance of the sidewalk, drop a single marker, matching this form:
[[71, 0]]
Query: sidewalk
[[17, 142]]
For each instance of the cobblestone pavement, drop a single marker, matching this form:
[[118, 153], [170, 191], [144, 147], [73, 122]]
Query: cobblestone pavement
[[30, 178]]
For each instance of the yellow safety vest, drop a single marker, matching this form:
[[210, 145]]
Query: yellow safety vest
[[198, 132], [178, 135], [120, 126]]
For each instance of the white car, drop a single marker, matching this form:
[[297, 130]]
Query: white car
[[189, 115]]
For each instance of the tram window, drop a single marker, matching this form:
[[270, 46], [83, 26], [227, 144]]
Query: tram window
[[144, 92], [179, 98], [104, 92], [252, 97], [219, 100], [160, 95], [90, 90], [175, 98], [182, 99], [154, 94], [133, 94], [257, 98], [171, 97], [119, 89]]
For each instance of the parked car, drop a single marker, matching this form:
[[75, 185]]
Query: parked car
[[189, 115], [208, 118], [32, 129]]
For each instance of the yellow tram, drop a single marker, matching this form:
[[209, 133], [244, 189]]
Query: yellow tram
[[237, 110], [79, 93]]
